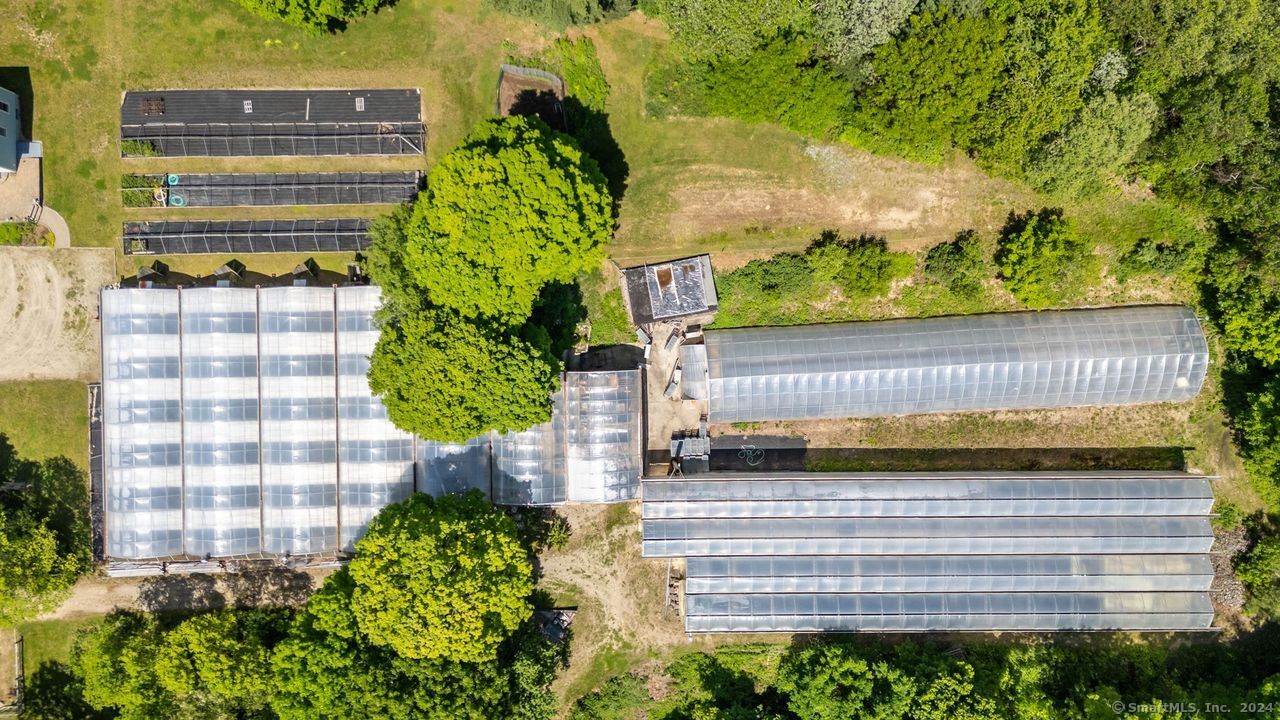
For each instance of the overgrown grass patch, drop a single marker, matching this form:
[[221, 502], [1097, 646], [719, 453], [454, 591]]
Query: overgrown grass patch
[[46, 418], [51, 640]]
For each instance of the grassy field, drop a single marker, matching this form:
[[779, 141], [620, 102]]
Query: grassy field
[[50, 640], [46, 418]]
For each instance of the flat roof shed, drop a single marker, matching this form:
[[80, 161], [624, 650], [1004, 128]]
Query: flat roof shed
[[671, 290]]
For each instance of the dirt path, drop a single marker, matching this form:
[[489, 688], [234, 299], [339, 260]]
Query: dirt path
[[48, 306], [619, 595], [257, 588]]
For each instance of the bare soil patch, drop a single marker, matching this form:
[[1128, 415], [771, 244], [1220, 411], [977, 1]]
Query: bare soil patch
[[265, 587], [8, 667], [1082, 427], [48, 306], [914, 205], [619, 594]]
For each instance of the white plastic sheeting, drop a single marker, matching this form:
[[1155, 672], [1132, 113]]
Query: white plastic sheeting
[[937, 551], [142, 432], [976, 362], [590, 450], [239, 421], [233, 417], [375, 458], [221, 468], [602, 413]]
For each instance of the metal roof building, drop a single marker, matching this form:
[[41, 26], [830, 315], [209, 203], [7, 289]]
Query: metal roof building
[[976, 362], [671, 290], [234, 123], [937, 551], [239, 422]]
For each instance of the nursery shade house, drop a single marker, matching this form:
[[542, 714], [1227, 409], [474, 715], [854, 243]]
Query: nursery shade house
[[978, 362]]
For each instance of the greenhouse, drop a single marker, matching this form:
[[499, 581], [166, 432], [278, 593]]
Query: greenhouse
[[588, 452], [937, 551], [239, 422], [1000, 361]]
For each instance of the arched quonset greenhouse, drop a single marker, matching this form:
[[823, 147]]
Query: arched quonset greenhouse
[[1112, 356]]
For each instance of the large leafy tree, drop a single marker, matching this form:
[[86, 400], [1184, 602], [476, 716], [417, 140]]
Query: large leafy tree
[[469, 273], [327, 667], [34, 577], [442, 579], [116, 658], [44, 532], [220, 661], [850, 29], [514, 207], [447, 379]]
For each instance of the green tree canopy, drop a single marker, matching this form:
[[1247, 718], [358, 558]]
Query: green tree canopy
[[514, 207], [327, 667], [218, 660], [447, 379], [441, 578], [960, 265], [729, 29], [44, 532], [1107, 134], [116, 658], [317, 15], [1041, 259]]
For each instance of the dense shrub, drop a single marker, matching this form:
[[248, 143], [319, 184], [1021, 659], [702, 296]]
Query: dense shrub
[[834, 679], [1041, 259], [870, 268], [316, 15], [562, 13], [728, 30], [782, 81], [14, 233], [1150, 257], [1106, 136], [959, 265]]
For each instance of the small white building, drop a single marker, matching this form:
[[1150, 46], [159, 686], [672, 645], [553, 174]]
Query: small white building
[[10, 130]]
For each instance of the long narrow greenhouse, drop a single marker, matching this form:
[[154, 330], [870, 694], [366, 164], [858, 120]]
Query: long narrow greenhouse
[[937, 551], [238, 422], [1000, 361]]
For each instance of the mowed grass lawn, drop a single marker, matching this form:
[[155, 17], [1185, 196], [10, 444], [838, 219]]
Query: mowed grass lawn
[[46, 418], [51, 640]]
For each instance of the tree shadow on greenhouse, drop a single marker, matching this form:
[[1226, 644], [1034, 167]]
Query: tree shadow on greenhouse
[[747, 453]]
